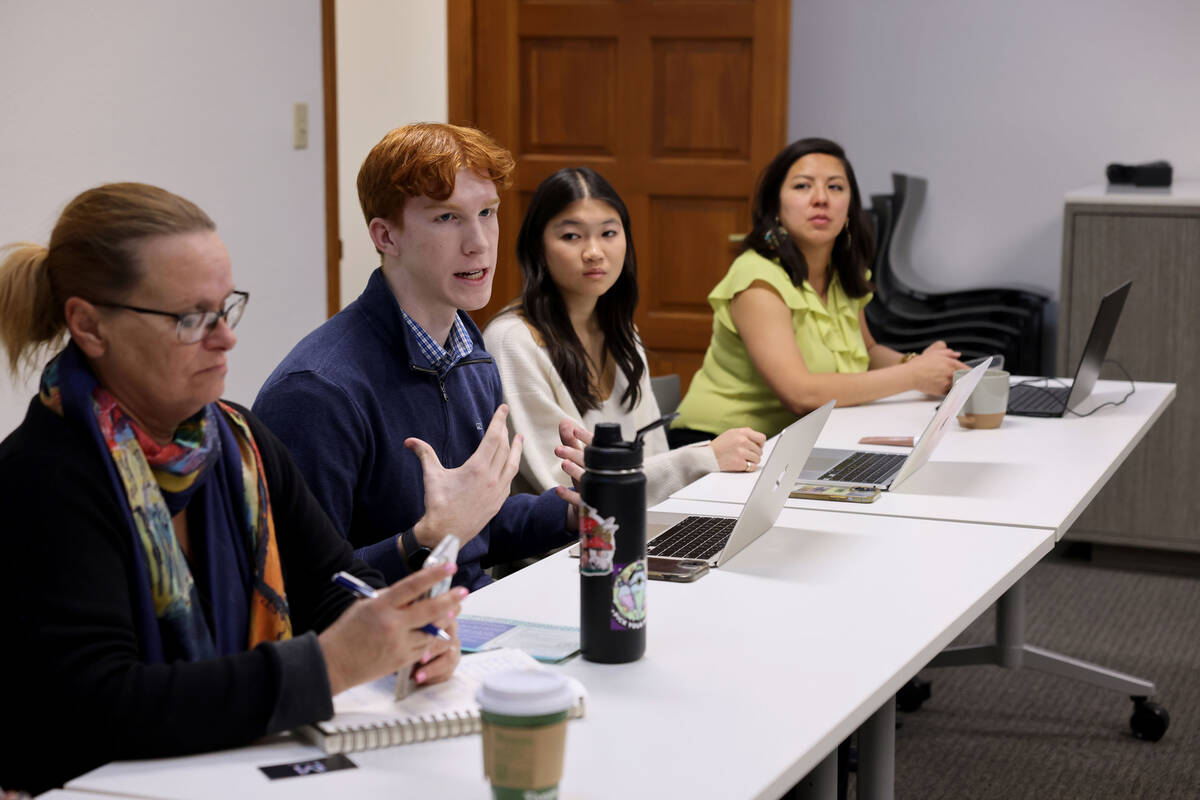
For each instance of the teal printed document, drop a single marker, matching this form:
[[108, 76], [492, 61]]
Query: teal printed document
[[549, 643]]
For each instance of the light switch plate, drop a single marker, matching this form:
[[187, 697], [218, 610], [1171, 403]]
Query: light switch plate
[[299, 126]]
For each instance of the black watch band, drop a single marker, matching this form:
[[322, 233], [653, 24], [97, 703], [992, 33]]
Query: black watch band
[[413, 551]]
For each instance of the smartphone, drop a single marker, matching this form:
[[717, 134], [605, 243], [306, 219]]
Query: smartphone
[[678, 570], [445, 552], [850, 494]]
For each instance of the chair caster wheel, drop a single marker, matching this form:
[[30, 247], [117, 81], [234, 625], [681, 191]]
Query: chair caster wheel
[[1149, 721], [913, 694]]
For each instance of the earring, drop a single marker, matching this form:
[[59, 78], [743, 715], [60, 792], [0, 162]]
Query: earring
[[775, 236], [846, 228]]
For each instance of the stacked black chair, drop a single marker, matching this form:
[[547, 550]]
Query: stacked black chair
[[978, 322]]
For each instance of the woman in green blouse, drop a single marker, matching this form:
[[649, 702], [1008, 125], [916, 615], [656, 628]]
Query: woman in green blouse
[[788, 327]]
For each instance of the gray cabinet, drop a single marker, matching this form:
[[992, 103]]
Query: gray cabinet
[[1154, 239]]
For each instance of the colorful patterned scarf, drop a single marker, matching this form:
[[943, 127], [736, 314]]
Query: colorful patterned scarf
[[156, 482]]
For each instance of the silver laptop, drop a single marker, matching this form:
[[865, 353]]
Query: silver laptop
[[831, 467], [717, 539]]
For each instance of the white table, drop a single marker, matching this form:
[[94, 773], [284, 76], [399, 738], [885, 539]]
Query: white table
[[752, 675], [1030, 471]]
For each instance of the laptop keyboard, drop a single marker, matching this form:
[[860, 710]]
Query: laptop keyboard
[[1038, 398], [693, 537], [865, 468]]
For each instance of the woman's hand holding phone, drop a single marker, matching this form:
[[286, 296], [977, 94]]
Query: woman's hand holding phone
[[439, 661]]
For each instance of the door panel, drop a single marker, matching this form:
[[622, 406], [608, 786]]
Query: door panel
[[702, 93], [678, 103], [553, 121]]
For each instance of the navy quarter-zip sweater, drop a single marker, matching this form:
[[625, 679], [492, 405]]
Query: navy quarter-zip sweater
[[349, 394]]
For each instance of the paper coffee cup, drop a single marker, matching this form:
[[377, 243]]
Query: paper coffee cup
[[986, 406], [524, 714]]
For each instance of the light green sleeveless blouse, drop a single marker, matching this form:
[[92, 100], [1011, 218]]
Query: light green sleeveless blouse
[[727, 391]]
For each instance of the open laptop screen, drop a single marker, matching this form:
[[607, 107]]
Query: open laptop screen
[[1098, 341]]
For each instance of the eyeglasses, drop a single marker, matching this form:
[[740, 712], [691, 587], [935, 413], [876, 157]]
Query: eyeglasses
[[193, 326]]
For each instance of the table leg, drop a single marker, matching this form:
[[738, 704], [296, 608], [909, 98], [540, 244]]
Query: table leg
[[1075, 669], [1011, 650], [820, 784], [877, 754]]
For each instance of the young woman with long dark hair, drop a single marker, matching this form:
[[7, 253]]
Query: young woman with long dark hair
[[568, 351]]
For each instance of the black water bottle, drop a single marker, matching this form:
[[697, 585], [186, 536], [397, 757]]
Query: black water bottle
[[612, 539]]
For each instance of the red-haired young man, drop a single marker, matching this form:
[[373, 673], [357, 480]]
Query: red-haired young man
[[392, 408]]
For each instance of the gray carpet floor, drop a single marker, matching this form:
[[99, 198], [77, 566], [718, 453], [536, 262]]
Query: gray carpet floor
[[988, 732]]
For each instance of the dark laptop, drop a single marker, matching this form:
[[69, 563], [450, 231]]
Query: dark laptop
[[1029, 400]]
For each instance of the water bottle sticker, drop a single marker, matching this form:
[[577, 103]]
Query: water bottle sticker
[[629, 596], [597, 543]]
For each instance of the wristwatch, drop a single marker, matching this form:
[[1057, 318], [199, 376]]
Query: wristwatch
[[413, 552], [907, 357]]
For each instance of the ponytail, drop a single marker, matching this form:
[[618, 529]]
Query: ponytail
[[30, 321]]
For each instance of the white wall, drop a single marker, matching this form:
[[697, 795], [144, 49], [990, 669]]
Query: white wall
[[1003, 106], [195, 97], [391, 70]]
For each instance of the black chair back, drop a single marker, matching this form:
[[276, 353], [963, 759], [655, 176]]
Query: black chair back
[[978, 321]]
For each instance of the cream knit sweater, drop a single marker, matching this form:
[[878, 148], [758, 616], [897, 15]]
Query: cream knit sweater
[[538, 399]]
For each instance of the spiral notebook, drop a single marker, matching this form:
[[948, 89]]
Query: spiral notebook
[[368, 717]]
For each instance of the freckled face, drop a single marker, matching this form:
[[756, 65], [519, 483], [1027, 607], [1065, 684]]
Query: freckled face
[[448, 247]]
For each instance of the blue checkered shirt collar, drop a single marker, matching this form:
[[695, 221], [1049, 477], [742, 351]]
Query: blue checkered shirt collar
[[458, 344]]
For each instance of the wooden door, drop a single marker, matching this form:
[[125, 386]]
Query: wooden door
[[678, 103]]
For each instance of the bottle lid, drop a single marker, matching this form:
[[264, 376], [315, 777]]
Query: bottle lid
[[609, 452], [525, 693]]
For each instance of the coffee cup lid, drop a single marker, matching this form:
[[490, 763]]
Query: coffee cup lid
[[525, 693]]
